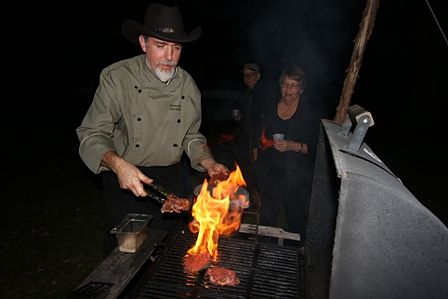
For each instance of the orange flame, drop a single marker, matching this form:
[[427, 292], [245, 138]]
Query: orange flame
[[265, 142], [223, 138], [212, 216]]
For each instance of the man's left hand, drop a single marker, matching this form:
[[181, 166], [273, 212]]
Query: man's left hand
[[214, 168]]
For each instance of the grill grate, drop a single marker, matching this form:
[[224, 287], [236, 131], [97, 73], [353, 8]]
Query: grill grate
[[264, 270]]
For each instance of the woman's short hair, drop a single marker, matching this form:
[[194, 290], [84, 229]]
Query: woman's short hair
[[293, 72]]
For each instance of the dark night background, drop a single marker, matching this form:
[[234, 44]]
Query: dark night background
[[53, 54]]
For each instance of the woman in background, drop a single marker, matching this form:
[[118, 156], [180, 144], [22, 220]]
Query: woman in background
[[285, 167]]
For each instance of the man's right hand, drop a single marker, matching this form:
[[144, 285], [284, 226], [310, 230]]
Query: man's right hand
[[129, 176]]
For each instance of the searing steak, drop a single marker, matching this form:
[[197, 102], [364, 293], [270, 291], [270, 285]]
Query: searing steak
[[215, 179], [175, 205], [194, 263], [222, 276]]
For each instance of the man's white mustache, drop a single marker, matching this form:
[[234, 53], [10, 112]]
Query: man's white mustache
[[169, 63]]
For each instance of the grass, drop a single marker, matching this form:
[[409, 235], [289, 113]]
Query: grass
[[52, 225]]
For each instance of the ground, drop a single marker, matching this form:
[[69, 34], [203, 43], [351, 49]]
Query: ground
[[51, 222]]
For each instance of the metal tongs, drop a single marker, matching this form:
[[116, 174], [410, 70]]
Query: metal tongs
[[159, 193], [171, 203]]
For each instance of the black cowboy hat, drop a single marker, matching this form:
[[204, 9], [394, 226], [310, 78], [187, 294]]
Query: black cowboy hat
[[162, 22]]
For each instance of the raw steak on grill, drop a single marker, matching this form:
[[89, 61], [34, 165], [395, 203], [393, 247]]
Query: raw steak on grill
[[175, 205], [222, 276], [194, 263]]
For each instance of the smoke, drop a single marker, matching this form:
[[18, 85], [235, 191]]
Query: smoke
[[318, 35]]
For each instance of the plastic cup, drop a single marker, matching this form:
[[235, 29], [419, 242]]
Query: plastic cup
[[236, 114], [278, 137]]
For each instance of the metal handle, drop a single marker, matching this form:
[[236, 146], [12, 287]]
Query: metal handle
[[162, 190], [158, 193], [159, 198]]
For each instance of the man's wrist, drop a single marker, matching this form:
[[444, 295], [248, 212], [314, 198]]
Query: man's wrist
[[111, 160], [208, 163]]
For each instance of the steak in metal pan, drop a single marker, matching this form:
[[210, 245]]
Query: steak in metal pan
[[222, 276]]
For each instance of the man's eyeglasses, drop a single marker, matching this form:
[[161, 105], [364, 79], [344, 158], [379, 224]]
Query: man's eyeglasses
[[249, 75], [290, 85]]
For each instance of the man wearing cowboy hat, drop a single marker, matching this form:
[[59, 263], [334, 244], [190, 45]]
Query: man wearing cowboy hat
[[145, 114]]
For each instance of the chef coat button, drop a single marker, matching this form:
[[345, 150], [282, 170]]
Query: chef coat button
[[139, 91], [139, 119], [183, 97], [178, 120], [137, 145], [175, 145]]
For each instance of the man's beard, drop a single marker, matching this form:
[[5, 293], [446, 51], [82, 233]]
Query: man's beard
[[164, 75]]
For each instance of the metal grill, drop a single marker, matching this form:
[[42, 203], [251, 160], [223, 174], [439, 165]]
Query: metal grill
[[264, 270]]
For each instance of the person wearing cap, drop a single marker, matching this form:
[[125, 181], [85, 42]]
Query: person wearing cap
[[249, 107], [250, 102], [251, 74], [146, 112]]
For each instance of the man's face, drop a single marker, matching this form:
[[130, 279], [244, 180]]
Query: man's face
[[161, 55], [250, 77]]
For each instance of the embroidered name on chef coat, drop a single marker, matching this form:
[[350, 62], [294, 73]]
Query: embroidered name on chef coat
[[175, 107]]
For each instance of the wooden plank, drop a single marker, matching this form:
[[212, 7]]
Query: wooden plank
[[117, 270], [269, 231], [363, 36]]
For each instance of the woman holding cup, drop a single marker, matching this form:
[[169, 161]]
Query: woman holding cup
[[285, 170]]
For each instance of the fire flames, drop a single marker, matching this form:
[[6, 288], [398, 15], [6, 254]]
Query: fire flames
[[213, 214], [264, 141]]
